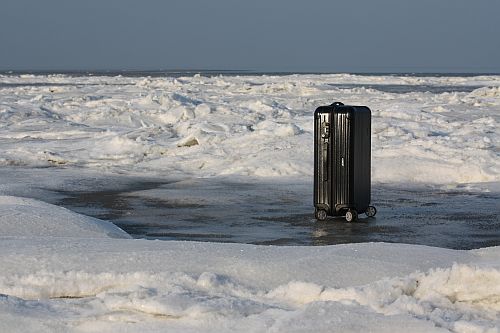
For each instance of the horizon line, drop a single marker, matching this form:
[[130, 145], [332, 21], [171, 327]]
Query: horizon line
[[236, 71]]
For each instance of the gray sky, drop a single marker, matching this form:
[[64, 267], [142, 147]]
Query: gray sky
[[264, 35]]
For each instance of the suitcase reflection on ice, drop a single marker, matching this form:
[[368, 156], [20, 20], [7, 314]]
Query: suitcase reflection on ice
[[342, 154]]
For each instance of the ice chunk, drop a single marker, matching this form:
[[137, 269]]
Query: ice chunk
[[202, 110], [188, 142]]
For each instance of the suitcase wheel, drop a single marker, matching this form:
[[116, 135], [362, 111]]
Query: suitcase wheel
[[351, 215], [371, 211], [320, 214]]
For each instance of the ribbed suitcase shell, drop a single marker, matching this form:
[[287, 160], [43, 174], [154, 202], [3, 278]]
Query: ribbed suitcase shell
[[342, 158]]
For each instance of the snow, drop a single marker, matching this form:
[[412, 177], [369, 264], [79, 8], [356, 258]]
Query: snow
[[64, 272], [23, 217], [248, 125]]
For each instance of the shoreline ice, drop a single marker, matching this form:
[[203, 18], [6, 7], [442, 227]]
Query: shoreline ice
[[257, 126]]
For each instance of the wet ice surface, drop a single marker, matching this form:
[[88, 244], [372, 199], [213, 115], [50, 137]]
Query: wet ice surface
[[281, 213]]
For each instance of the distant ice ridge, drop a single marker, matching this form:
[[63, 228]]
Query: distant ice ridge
[[249, 125]]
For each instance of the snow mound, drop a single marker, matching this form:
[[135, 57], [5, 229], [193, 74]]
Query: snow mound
[[462, 298], [23, 217], [486, 92]]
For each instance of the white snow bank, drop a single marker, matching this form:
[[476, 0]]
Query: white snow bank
[[31, 218], [148, 286], [467, 295], [250, 125]]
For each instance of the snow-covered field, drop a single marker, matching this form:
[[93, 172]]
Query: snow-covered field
[[250, 125], [61, 271]]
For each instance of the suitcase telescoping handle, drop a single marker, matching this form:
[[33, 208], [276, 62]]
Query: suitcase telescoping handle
[[337, 104], [325, 161]]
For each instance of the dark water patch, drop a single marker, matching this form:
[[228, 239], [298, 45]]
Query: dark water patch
[[188, 236], [104, 204], [166, 204], [428, 204], [282, 241], [470, 216], [407, 88]]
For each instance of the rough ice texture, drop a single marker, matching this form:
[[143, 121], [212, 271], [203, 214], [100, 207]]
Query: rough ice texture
[[249, 125], [83, 283]]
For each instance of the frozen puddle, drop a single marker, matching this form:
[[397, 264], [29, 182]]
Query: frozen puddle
[[281, 213]]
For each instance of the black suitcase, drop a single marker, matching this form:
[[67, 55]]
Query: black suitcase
[[342, 154]]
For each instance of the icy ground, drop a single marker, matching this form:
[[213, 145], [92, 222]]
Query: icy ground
[[61, 271], [264, 211]]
